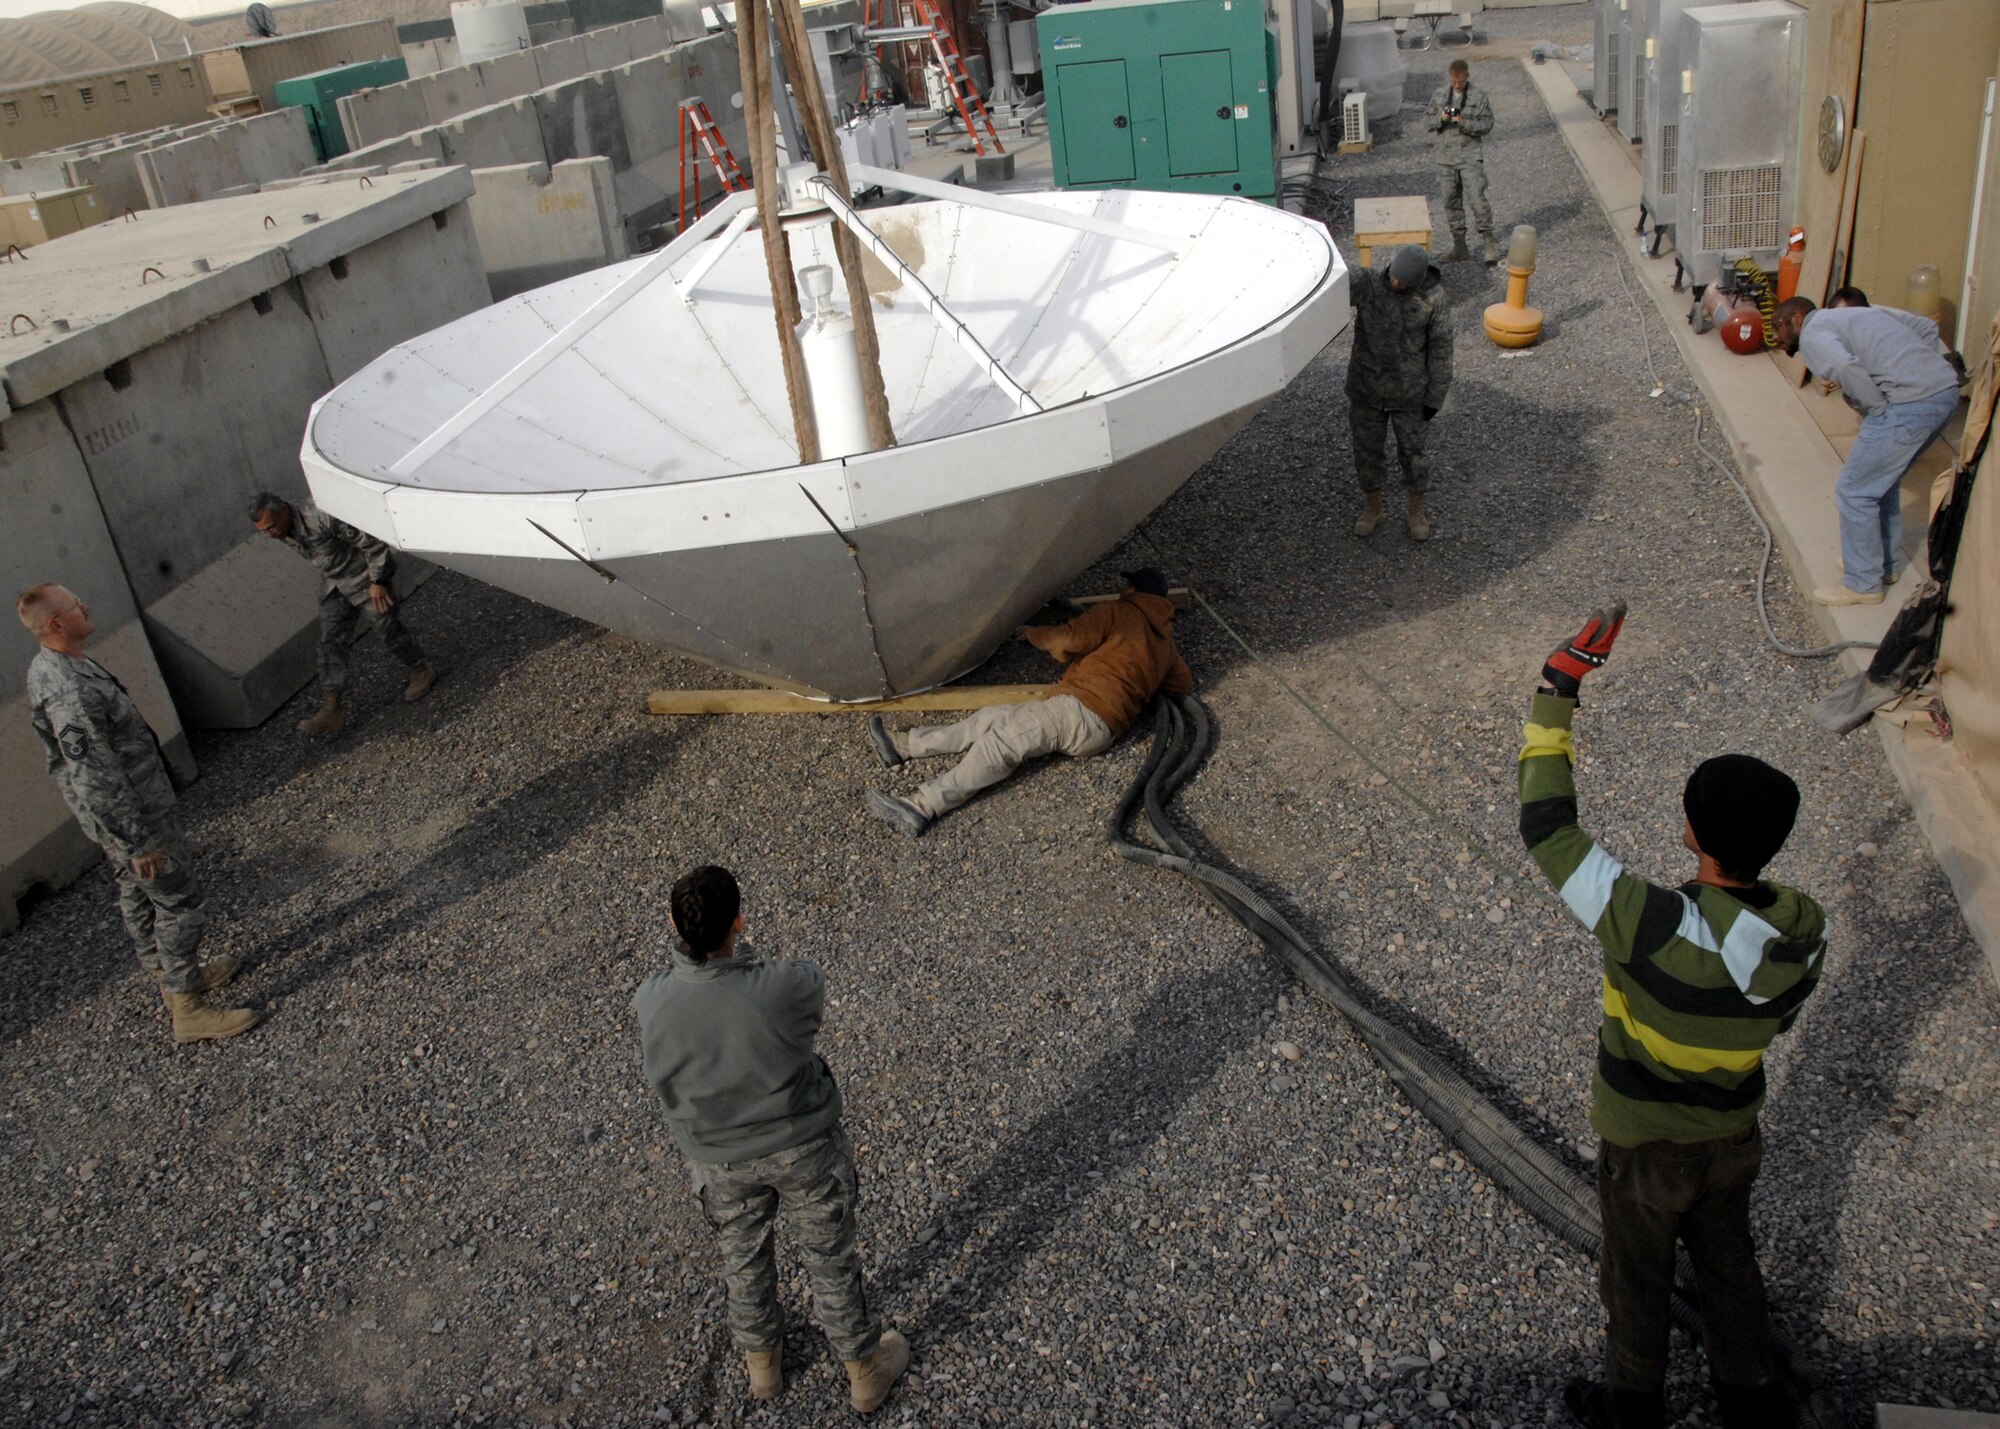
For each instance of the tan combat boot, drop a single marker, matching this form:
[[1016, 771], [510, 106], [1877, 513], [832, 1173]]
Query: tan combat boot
[[767, 1372], [422, 677], [1420, 521], [1492, 254], [196, 1021], [1370, 517], [329, 720], [1459, 252], [869, 1380]]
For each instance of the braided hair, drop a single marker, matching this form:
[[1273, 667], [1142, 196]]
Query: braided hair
[[705, 905]]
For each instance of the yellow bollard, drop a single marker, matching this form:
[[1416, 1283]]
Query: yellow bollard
[[1513, 323]]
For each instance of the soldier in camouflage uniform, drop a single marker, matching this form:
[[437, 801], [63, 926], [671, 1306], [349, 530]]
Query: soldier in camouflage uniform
[[1397, 376], [357, 570], [108, 766], [727, 1040], [1461, 116]]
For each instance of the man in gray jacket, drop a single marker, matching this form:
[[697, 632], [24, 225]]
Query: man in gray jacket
[[1398, 373], [355, 569], [727, 1042], [106, 761], [1460, 117]]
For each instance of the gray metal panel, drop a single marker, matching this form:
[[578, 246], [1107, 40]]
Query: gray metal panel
[[1605, 55], [1632, 70], [1660, 161], [1739, 130]]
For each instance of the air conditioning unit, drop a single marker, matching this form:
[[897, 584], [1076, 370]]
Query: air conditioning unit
[[1741, 67], [1660, 117], [1632, 71], [1605, 54], [1354, 118]]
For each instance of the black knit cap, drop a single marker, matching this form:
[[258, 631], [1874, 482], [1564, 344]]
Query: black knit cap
[[1147, 580], [1741, 811]]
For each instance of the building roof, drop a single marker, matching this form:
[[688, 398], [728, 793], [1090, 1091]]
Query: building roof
[[55, 44]]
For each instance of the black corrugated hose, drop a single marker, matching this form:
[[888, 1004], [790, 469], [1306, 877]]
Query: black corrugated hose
[[1542, 1183]]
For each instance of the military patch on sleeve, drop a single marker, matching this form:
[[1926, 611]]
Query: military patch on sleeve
[[75, 742]]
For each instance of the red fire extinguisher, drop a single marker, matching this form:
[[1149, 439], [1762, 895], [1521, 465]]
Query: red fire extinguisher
[[1789, 265]]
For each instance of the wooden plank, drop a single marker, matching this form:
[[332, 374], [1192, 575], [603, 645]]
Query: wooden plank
[[1844, 235], [1833, 66], [1178, 594], [951, 697]]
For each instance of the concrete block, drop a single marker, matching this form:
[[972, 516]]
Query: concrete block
[[647, 37], [607, 48], [560, 61], [535, 224], [495, 136], [508, 76], [580, 119], [114, 173], [366, 303], [995, 168], [369, 116], [55, 531], [417, 145], [452, 92], [649, 105], [246, 151], [38, 173], [199, 422]]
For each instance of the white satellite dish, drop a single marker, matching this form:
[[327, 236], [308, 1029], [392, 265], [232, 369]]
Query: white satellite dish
[[619, 445]]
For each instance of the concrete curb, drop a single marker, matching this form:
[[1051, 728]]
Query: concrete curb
[[1789, 466]]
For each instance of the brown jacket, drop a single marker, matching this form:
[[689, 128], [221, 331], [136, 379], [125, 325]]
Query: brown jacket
[[1123, 651]]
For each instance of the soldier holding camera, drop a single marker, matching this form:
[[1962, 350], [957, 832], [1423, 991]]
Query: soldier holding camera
[[1460, 117]]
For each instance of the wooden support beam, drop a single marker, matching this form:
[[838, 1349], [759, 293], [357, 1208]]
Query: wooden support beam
[[951, 697], [1178, 594]]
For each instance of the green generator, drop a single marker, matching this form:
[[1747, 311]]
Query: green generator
[[317, 92], [1162, 94]]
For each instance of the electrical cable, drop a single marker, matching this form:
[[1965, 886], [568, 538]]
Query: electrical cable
[[1540, 1181]]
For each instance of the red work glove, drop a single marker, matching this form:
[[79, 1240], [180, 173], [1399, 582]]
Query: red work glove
[[1563, 672]]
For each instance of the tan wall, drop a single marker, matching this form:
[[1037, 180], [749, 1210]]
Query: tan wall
[[1924, 67], [54, 114], [1969, 658], [265, 62]]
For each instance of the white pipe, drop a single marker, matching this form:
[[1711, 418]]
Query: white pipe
[[942, 315], [1972, 229], [863, 175], [560, 341], [713, 254]]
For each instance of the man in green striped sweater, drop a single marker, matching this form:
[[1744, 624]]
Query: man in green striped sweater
[[1697, 982]]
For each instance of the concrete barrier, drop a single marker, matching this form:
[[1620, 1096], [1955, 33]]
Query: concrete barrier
[[607, 48], [560, 61], [55, 531], [683, 20], [451, 92], [646, 37], [536, 224], [580, 119], [649, 105], [429, 56], [365, 304], [246, 151], [38, 173], [406, 148], [495, 136], [368, 116], [508, 76], [114, 173]]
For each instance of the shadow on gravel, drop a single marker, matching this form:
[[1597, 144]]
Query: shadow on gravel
[[503, 842], [1122, 1102]]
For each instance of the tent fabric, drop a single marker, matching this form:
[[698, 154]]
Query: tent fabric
[[1969, 659], [56, 44]]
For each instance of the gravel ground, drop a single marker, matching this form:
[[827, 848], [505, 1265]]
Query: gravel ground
[[432, 1189]]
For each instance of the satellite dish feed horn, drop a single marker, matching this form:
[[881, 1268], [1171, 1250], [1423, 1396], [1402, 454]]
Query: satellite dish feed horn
[[261, 21]]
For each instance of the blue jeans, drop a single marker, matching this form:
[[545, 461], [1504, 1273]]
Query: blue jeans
[[1869, 492]]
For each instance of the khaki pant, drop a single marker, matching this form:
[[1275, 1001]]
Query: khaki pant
[[1651, 1197], [997, 741], [817, 1186]]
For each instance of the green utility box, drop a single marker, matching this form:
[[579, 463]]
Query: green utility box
[[317, 93], [1161, 94]]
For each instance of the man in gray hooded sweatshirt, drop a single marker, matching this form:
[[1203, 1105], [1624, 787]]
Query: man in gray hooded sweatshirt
[[727, 1040]]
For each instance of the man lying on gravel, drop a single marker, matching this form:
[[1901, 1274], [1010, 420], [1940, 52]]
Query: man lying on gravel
[[727, 1040], [106, 761], [1697, 982], [1119, 652]]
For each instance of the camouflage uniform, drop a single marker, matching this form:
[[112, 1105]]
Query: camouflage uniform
[[107, 763], [1457, 150], [351, 561], [1400, 365], [817, 1186]]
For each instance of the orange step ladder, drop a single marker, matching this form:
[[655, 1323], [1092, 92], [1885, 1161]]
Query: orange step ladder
[[702, 139], [964, 97]]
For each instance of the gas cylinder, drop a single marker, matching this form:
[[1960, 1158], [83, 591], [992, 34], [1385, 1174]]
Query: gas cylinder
[[1789, 265], [1742, 328]]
